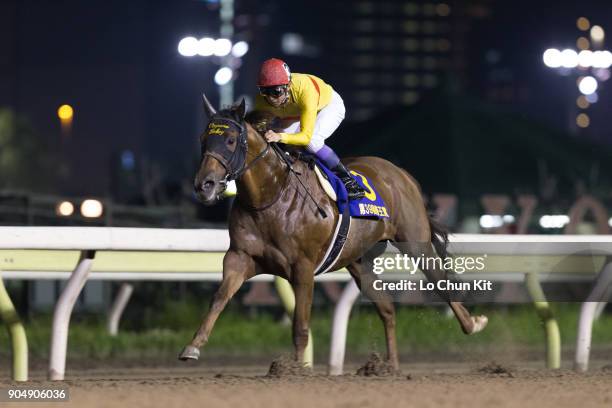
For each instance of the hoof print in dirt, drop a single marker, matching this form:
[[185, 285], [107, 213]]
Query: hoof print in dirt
[[494, 368], [286, 367], [377, 367]]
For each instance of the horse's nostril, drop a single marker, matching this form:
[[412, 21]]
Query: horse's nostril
[[207, 185]]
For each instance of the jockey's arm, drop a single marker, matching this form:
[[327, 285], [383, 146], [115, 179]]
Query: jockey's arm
[[308, 101]]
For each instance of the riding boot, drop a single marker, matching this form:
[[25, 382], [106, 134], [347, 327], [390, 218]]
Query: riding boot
[[354, 190]]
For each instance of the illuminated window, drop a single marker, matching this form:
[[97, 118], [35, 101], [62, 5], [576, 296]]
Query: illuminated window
[[443, 9], [411, 9], [429, 9], [410, 26], [410, 98], [444, 45], [410, 80], [410, 44], [365, 8]]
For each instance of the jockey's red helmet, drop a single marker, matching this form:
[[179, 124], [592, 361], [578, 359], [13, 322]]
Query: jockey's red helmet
[[274, 72]]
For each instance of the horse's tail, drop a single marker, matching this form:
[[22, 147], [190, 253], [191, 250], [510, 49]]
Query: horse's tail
[[439, 237]]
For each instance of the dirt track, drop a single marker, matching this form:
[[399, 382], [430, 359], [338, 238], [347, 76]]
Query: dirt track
[[422, 385]]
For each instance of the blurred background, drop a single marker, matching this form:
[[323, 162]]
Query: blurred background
[[499, 109]]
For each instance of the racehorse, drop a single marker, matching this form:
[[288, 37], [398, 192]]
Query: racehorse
[[277, 227]]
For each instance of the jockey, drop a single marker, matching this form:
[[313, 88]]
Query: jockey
[[310, 111]]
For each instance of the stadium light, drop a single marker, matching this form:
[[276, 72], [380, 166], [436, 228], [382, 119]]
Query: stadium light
[[585, 58], [240, 49], [225, 53], [552, 58], [589, 63], [603, 59], [491, 221], [592, 98], [554, 221], [206, 47], [569, 58], [188, 46], [91, 208], [223, 75], [222, 47], [587, 85], [597, 33], [64, 208]]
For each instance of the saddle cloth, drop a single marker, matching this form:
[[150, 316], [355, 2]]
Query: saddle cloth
[[370, 206]]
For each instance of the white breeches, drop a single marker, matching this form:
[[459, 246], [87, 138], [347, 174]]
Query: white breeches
[[328, 120]]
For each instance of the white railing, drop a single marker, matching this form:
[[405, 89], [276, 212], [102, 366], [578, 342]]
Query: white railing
[[130, 254]]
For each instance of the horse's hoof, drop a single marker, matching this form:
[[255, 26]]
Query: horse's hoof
[[480, 322], [189, 353]]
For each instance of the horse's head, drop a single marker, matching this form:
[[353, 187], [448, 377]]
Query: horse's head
[[224, 146]]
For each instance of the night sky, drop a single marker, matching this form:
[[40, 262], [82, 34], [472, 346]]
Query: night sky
[[117, 64]]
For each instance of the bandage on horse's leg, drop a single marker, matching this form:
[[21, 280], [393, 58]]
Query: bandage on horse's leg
[[384, 307], [237, 267]]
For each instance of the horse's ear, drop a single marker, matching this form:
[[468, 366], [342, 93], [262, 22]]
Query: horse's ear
[[209, 110], [241, 109]]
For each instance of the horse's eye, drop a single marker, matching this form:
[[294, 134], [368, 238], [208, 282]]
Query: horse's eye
[[231, 140]]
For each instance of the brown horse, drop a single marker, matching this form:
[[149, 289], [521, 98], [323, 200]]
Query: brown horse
[[276, 228]]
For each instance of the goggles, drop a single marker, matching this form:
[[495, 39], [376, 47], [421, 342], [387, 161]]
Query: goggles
[[274, 91]]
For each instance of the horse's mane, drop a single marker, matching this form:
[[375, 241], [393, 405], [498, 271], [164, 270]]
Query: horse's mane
[[263, 121]]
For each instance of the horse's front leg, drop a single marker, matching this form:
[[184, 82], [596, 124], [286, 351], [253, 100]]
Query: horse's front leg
[[303, 289], [237, 267]]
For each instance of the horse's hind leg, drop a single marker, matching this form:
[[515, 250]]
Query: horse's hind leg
[[469, 324], [384, 307]]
